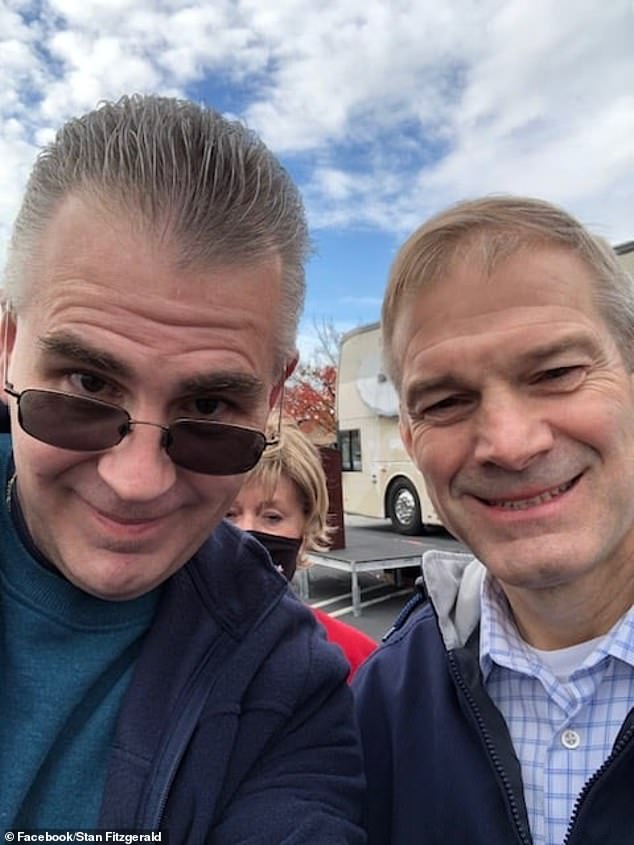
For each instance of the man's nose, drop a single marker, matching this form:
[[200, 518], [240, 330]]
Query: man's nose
[[138, 469], [511, 431]]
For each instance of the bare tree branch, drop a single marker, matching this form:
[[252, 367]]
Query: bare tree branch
[[329, 340]]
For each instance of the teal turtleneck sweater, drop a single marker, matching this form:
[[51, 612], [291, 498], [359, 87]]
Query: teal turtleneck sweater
[[66, 659]]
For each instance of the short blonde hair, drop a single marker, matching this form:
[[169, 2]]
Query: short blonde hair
[[296, 458], [492, 229]]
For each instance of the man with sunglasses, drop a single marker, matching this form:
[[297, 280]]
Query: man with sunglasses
[[157, 673]]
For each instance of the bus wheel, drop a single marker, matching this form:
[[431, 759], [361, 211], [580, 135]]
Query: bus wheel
[[403, 508]]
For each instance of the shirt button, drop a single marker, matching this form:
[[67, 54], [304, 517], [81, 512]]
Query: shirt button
[[570, 739]]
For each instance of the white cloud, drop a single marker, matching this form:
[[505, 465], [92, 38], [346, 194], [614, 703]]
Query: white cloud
[[551, 115], [16, 155], [345, 69], [395, 108]]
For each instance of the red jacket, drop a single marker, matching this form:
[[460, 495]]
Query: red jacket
[[355, 645]]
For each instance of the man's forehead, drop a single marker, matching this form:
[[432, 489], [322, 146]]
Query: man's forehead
[[86, 232], [543, 276]]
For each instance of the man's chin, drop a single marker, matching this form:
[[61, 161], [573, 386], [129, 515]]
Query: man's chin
[[122, 579], [523, 565]]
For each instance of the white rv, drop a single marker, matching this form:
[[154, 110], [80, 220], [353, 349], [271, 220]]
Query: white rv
[[378, 477]]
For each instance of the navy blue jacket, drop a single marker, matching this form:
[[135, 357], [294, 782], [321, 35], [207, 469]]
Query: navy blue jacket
[[238, 726], [440, 763]]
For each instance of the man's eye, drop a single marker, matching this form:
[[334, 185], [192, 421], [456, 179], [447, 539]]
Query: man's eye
[[87, 383], [562, 376], [445, 408], [206, 406]]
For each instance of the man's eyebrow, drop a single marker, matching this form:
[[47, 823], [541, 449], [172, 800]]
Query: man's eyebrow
[[423, 386], [72, 347], [226, 382], [575, 342]]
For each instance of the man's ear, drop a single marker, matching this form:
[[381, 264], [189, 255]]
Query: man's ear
[[289, 369], [291, 364]]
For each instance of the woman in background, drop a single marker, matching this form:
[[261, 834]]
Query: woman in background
[[284, 504]]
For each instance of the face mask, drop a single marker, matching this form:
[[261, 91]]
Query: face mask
[[283, 551]]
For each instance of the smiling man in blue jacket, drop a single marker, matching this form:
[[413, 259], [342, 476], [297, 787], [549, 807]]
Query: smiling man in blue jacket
[[501, 712], [157, 673]]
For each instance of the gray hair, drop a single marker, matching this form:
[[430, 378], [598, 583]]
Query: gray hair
[[184, 170], [492, 229]]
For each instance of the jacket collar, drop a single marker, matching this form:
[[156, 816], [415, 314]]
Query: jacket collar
[[453, 581]]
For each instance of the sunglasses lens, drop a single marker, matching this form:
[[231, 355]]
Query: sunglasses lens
[[215, 448], [71, 422], [85, 425]]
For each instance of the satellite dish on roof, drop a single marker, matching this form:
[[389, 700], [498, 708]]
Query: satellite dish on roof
[[375, 388]]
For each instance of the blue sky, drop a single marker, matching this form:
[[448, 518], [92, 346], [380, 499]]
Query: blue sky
[[384, 111]]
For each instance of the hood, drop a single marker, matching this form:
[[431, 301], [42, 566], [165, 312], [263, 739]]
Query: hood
[[453, 582]]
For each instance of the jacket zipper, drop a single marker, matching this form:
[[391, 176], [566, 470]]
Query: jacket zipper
[[177, 744], [618, 749], [490, 748], [179, 738], [182, 732], [162, 802]]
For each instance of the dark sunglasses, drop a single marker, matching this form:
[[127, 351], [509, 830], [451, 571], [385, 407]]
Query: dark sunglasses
[[83, 424]]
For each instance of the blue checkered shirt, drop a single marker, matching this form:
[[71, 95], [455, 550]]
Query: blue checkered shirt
[[562, 731]]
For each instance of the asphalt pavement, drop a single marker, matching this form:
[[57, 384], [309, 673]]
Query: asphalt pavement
[[384, 592]]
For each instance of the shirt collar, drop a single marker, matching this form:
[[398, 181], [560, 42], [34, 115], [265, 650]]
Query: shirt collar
[[501, 643]]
